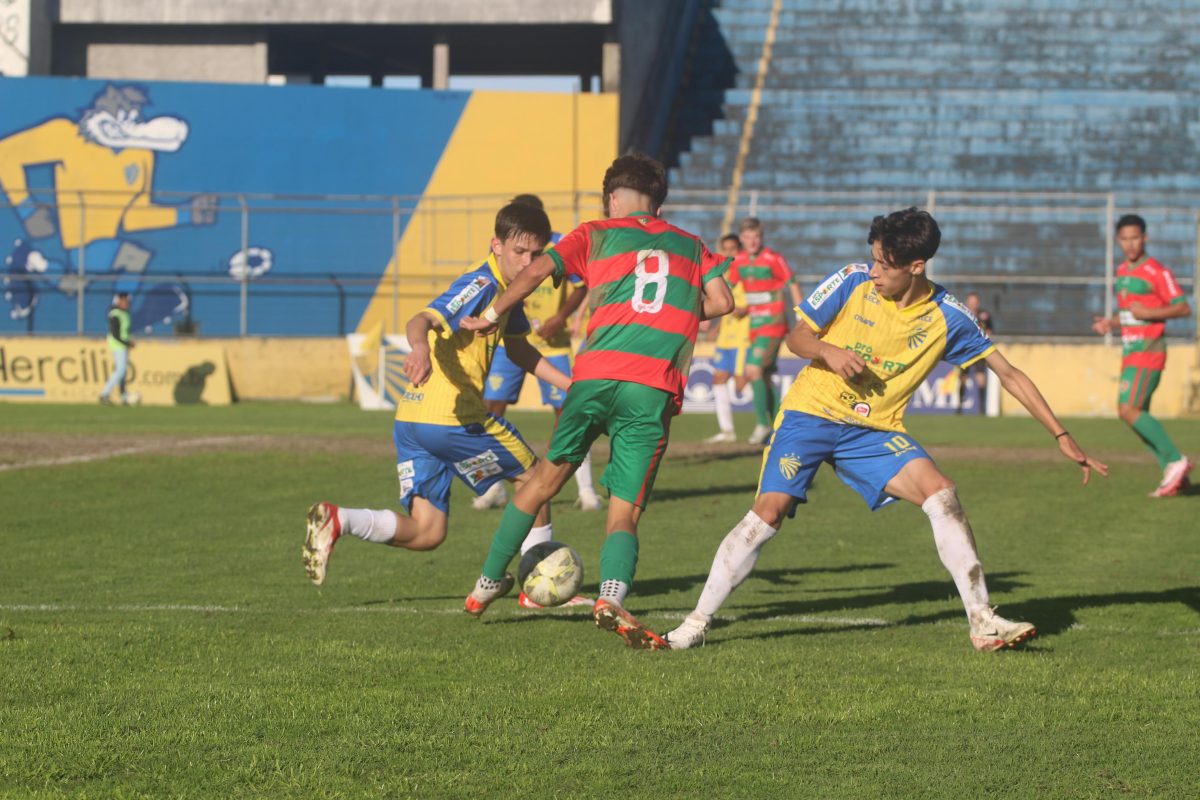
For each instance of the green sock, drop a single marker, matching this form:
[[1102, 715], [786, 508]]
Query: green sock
[[618, 557], [1153, 434], [765, 406], [514, 527]]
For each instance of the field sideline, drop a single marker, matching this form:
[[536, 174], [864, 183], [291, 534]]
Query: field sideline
[[159, 639]]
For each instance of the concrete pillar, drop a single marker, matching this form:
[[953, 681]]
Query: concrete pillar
[[441, 65], [16, 26], [610, 67]]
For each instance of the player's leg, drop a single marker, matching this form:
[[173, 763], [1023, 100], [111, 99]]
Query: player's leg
[[424, 494], [555, 397], [580, 425], [117, 378], [501, 389], [920, 482], [798, 447], [760, 365], [1133, 406], [638, 424], [725, 364]]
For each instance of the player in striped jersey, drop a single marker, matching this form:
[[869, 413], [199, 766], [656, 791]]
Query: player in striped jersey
[[1147, 296], [649, 286], [873, 334], [733, 345], [442, 428], [763, 274]]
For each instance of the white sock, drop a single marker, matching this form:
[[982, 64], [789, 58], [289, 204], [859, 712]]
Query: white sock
[[495, 494], [368, 524], [537, 536], [734, 561], [583, 475], [723, 406], [614, 591], [956, 547]]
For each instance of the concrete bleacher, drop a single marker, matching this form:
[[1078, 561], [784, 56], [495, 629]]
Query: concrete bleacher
[[998, 96]]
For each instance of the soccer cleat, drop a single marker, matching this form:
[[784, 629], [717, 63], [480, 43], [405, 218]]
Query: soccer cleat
[[479, 599], [578, 600], [494, 497], [1175, 476], [105, 400], [588, 501], [760, 435], [611, 617], [690, 634], [724, 437], [323, 530], [993, 632]]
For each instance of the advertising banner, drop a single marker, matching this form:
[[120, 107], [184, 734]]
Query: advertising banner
[[74, 370]]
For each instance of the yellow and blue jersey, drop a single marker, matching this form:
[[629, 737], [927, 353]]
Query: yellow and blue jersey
[[900, 345], [734, 333], [453, 395]]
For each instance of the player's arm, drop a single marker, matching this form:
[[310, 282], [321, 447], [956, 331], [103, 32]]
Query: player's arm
[[806, 343], [521, 287], [527, 357], [1018, 384], [718, 300], [794, 288], [1162, 313], [555, 323], [419, 365]]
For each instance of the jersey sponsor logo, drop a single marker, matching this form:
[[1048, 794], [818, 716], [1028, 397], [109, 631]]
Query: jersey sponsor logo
[[917, 338], [822, 292], [862, 409], [468, 292], [406, 473], [476, 475], [956, 304], [411, 397], [473, 463], [868, 354], [789, 465], [759, 298], [868, 322]]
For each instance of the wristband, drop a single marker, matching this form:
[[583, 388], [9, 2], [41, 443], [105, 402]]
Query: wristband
[[1064, 433], [491, 316]]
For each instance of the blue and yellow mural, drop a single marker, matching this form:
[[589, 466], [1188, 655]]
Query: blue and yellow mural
[[175, 192]]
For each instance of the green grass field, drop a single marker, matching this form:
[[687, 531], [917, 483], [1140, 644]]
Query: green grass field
[[158, 637]]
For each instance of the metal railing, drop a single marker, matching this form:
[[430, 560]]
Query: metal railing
[[339, 248]]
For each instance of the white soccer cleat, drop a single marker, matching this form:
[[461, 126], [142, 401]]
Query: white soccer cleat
[[724, 437], [760, 435], [588, 501], [323, 530], [494, 497], [479, 599], [690, 634], [993, 632], [1175, 477]]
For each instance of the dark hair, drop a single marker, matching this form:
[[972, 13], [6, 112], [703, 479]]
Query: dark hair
[[751, 224], [640, 173], [1131, 219], [732, 236], [517, 218], [906, 236], [122, 295], [529, 200]]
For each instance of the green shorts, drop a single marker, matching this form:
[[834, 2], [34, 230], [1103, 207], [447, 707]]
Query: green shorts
[[764, 350], [1137, 386], [637, 420]]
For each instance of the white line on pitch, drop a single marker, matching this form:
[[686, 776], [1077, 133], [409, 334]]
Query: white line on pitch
[[124, 451]]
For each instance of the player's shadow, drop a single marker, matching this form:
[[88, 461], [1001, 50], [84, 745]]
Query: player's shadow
[[704, 491], [651, 587]]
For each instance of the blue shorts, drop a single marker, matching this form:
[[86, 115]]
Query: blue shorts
[[864, 458], [731, 360], [480, 454], [505, 380]]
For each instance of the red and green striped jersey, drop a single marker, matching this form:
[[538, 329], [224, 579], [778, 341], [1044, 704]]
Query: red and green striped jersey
[[764, 276], [645, 282], [1152, 285]]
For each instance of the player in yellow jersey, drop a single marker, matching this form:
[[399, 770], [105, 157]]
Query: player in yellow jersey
[[873, 334], [733, 344], [548, 310], [442, 428]]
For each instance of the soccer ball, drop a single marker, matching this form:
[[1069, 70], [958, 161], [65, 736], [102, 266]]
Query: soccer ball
[[550, 573]]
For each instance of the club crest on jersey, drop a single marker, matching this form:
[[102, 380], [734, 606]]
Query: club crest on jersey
[[789, 465], [469, 291], [917, 338], [496, 381]]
